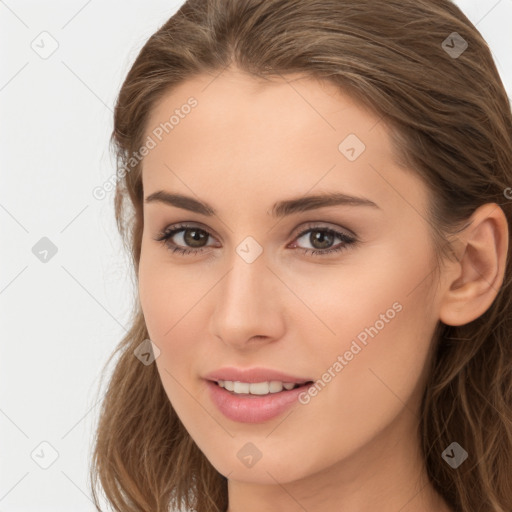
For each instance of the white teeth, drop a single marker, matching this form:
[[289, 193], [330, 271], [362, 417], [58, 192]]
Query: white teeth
[[256, 388], [241, 387], [228, 384], [263, 388], [274, 386]]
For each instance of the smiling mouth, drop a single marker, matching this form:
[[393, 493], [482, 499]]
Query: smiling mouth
[[245, 389]]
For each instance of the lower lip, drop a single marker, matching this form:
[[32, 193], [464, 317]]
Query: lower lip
[[253, 408]]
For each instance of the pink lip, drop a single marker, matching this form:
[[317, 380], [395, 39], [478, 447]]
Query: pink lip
[[253, 408], [256, 374]]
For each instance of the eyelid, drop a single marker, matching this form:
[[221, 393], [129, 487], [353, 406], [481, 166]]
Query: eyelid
[[190, 225], [321, 224], [295, 232], [348, 240]]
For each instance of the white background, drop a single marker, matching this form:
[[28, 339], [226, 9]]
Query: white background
[[61, 319]]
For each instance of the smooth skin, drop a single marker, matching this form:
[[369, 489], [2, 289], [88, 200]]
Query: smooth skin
[[246, 145]]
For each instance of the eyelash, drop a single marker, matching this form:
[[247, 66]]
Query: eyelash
[[168, 233]]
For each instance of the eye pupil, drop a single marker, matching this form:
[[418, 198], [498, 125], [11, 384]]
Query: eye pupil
[[321, 236], [197, 236], [192, 240]]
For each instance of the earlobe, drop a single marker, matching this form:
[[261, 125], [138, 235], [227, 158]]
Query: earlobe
[[473, 283]]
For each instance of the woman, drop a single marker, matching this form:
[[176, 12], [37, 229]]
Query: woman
[[316, 198]]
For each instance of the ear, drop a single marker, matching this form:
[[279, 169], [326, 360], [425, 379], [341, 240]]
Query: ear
[[473, 283]]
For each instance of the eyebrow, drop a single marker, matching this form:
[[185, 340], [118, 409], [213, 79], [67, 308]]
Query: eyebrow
[[279, 209]]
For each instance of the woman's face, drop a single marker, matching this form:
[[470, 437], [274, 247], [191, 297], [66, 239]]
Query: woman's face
[[358, 320]]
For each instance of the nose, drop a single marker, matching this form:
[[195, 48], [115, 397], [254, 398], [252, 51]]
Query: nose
[[249, 305]]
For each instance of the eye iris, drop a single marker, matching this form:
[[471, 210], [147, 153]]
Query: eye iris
[[320, 236], [197, 236]]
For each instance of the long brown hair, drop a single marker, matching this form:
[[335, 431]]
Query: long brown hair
[[452, 125]]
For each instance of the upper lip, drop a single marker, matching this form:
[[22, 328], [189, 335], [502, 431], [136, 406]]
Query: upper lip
[[257, 374]]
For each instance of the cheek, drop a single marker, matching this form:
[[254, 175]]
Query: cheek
[[372, 384], [172, 299], [375, 363], [165, 300], [167, 293], [373, 293]]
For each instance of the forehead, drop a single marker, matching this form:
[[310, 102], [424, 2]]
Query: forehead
[[271, 139], [234, 98]]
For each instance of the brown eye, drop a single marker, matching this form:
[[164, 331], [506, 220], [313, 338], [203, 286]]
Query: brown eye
[[194, 237], [322, 238], [193, 240], [190, 239]]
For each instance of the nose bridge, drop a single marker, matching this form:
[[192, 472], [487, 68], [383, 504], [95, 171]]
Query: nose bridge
[[246, 302], [244, 285]]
